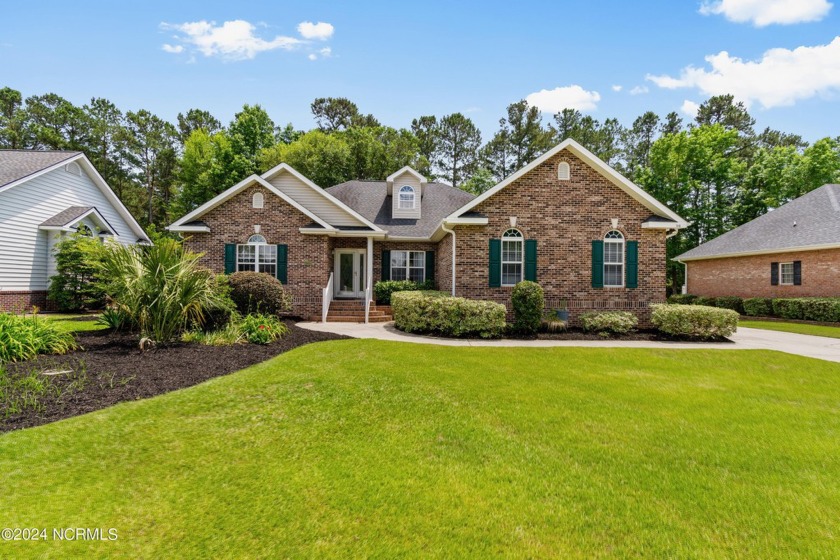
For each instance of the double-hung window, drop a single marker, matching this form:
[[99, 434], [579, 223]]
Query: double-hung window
[[407, 198], [256, 256], [408, 265], [786, 274], [614, 259], [512, 254]]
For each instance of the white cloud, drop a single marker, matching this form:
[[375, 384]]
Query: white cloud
[[312, 56], [766, 12], [320, 31], [617, 88], [690, 108], [233, 40], [326, 52], [567, 97], [639, 90], [781, 77], [174, 49]]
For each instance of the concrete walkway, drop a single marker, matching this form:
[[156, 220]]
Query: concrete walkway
[[819, 347]]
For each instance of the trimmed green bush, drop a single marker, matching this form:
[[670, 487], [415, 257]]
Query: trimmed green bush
[[681, 299], [609, 322], [257, 292], [694, 321], [434, 313], [702, 300], [528, 301], [22, 338], [383, 289], [730, 302], [758, 307], [76, 285], [809, 309], [788, 308]]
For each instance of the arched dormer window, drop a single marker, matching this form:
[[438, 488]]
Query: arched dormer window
[[407, 198], [512, 255], [614, 259], [258, 200], [564, 172], [256, 256]]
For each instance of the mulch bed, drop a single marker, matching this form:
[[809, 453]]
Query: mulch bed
[[115, 370]]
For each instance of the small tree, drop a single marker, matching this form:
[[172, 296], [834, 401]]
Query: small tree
[[528, 302], [76, 286]]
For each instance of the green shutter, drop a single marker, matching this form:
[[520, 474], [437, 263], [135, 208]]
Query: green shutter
[[495, 263], [230, 258], [386, 266], [430, 266], [531, 260], [598, 264], [632, 264], [283, 263]]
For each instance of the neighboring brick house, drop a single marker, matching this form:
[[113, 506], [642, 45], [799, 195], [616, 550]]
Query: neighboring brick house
[[44, 196], [792, 251], [590, 237]]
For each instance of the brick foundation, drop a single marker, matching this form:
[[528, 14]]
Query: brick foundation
[[23, 301]]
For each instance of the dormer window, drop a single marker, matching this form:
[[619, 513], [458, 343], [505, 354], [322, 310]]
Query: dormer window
[[407, 198]]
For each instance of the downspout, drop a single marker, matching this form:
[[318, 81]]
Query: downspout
[[452, 232]]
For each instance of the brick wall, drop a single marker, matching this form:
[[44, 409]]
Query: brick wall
[[309, 262], [20, 302], [565, 217], [750, 276]]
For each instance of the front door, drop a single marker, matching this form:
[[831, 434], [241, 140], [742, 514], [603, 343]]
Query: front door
[[350, 273]]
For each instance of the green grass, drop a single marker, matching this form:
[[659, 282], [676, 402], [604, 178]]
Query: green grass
[[66, 323], [799, 328], [356, 448]]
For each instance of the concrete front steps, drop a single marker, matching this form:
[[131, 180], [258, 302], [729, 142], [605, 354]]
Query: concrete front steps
[[353, 311]]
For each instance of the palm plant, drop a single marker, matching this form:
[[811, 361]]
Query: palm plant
[[161, 288]]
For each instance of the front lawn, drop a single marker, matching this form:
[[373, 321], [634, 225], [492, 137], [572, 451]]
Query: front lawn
[[74, 322], [360, 448], [799, 328]]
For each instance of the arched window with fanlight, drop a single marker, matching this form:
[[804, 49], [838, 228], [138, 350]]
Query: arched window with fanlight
[[512, 257], [614, 259], [256, 256], [407, 198]]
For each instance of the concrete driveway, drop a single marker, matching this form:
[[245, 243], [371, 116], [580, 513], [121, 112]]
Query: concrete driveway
[[819, 347]]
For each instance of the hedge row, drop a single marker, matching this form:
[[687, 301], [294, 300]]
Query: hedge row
[[809, 309], [439, 314], [694, 321], [383, 289]]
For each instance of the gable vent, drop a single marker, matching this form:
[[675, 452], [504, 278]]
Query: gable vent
[[564, 173], [73, 168]]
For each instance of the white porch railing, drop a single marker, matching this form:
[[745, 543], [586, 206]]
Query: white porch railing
[[368, 296], [326, 299]]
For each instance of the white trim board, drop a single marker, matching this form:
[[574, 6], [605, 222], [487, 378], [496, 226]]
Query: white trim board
[[595, 163], [406, 169], [759, 252]]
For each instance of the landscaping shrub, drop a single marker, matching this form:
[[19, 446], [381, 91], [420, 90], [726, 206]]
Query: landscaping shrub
[[694, 321], [528, 301], [437, 313], [161, 288], [809, 309], [258, 328], [788, 308], [708, 301], [76, 285], [609, 322], [22, 338], [116, 318], [257, 292], [682, 299], [758, 307], [730, 302], [383, 289]]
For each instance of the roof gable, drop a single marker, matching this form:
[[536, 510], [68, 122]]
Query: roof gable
[[590, 159]]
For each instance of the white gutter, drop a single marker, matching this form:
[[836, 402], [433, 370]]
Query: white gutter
[[452, 232]]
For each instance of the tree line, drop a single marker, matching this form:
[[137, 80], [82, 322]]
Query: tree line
[[716, 171]]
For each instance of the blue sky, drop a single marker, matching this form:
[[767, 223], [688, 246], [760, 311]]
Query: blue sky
[[399, 60]]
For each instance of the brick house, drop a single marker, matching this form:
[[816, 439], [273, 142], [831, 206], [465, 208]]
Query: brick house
[[589, 236], [45, 196], [792, 251]]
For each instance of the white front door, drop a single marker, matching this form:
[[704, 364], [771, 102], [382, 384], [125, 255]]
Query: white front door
[[350, 273]]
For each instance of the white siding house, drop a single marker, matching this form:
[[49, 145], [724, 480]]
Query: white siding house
[[43, 197]]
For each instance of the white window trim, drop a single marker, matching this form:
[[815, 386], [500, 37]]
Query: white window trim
[[623, 262], [408, 266], [413, 198], [260, 248], [782, 276], [512, 239]]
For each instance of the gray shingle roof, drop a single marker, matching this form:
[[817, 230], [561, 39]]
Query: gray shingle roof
[[812, 219], [66, 216], [371, 200], [17, 164]]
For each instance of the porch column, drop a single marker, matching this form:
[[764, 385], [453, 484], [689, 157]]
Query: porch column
[[369, 263]]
